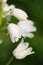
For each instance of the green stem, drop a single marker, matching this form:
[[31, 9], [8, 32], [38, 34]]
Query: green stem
[[1, 12], [10, 61]]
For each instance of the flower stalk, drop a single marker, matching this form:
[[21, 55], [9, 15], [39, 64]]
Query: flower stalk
[[10, 61], [1, 11]]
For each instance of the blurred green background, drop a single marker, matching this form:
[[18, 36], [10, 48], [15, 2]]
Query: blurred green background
[[34, 9]]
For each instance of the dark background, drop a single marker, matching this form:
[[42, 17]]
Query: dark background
[[34, 9]]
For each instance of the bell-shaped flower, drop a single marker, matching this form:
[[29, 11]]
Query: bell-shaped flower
[[7, 10], [22, 50], [10, 10], [23, 28], [19, 14], [27, 27], [13, 30]]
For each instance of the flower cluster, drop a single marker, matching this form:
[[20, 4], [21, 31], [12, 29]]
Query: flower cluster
[[23, 28]]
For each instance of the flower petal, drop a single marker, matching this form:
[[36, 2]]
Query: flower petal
[[8, 7], [14, 32], [7, 10], [22, 46], [22, 50], [22, 54], [20, 14], [27, 26], [30, 35]]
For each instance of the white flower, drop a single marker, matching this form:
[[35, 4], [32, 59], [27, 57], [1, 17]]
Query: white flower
[[13, 30], [22, 50], [7, 10], [26, 28], [10, 10], [19, 14], [23, 28]]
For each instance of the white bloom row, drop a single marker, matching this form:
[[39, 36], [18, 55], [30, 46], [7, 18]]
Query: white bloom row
[[9, 10], [23, 28]]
